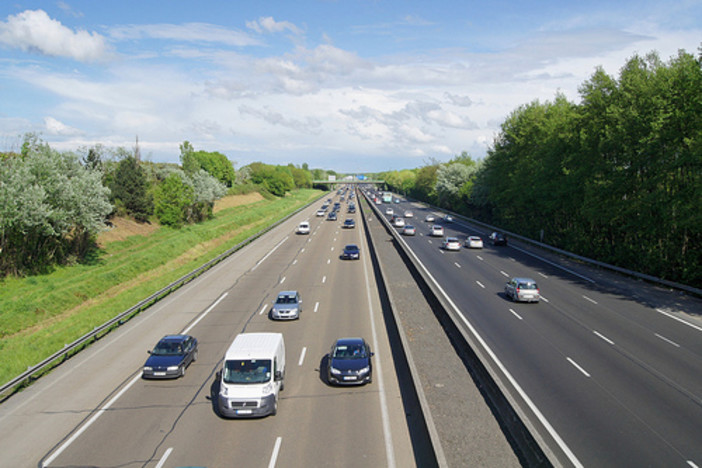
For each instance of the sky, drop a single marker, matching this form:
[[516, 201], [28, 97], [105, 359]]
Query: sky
[[349, 85]]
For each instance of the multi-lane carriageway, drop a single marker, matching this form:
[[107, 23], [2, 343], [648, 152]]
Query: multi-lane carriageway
[[610, 376]]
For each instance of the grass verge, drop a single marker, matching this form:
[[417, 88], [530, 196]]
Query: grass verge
[[39, 314]]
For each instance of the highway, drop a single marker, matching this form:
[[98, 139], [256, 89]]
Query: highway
[[608, 370], [95, 410]]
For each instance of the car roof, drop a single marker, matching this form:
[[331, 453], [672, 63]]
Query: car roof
[[351, 246], [521, 279], [287, 293], [452, 239], [348, 341], [174, 338]]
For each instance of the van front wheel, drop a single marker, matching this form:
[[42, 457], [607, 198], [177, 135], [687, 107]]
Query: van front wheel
[[275, 407]]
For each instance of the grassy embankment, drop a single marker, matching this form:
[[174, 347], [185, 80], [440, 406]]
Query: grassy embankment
[[39, 314]]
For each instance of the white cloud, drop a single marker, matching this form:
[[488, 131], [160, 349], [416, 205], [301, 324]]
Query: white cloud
[[188, 32], [55, 127], [269, 25], [35, 31]]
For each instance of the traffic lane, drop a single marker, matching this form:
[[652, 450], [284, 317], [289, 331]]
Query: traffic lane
[[307, 403], [451, 281], [249, 256]]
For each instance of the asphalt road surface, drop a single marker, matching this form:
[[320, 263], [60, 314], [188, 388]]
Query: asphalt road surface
[[95, 410], [609, 369]]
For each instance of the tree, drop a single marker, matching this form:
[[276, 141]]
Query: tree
[[172, 199], [130, 189]]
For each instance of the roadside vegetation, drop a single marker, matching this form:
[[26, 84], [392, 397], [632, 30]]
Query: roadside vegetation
[[616, 177], [64, 266]]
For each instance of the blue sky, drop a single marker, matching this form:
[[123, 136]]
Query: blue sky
[[354, 86]]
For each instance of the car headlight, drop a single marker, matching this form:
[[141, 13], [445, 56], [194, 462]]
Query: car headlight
[[172, 368], [267, 389], [148, 369], [223, 391], [363, 371], [335, 371]]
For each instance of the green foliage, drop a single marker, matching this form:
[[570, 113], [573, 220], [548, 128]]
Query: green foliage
[[131, 188], [50, 208], [172, 198], [617, 177], [276, 179]]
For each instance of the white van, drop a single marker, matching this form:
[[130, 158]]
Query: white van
[[252, 375]]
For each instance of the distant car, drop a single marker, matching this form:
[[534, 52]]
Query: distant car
[[409, 214], [303, 228], [169, 358], [522, 290], [430, 218], [351, 209], [287, 306], [320, 212], [498, 238], [474, 242], [331, 216], [399, 222], [377, 201], [409, 230], [389, 211], [451, 243], [349, 223], [448, 219], [350, 362], [437, 231], [397, 200], [351, 252]]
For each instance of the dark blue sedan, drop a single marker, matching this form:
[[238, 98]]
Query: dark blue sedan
[[351, 252], [350, 362], [170, 357]]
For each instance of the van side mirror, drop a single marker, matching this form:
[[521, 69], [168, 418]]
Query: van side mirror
[[278, 376]]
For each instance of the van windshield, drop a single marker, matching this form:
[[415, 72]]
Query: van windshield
[[247, 371]]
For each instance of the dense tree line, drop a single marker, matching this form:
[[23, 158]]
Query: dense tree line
[[53, 204], [617, 177]]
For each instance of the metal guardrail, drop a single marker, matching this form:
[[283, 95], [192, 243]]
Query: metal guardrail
[[129, 313], [565, 253]]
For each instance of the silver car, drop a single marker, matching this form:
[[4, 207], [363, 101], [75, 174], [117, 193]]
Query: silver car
[[522, 290], [287, 306]]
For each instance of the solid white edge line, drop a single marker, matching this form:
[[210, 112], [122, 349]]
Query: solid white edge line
[[302, 356], [542, 419], [202, 315], [269, 253], [387, 433], [85, 426], [667, 314], [276, 449], [165, 456], [575, 364]]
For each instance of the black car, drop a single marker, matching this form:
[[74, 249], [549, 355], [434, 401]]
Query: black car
[[350, 362], [349, 223], [498, 238], [331, 216], [169, 358], [351, 252]]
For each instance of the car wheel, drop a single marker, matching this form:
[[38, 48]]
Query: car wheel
[[275, 407], [195, 356], [182, 370]]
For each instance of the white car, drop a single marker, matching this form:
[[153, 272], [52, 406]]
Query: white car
[[409, 230], [399, 222], [430, 218], [303, 228], [389, 211], [409, 214], [451, 243], [437, 231], [474, 242], [320, 212]]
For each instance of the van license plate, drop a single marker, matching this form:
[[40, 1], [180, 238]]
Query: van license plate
[[243, 411]]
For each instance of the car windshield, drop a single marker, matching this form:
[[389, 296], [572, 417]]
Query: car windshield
[[247, 371], [349, 352], [168, 348], [286, 300], [351, 248]]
